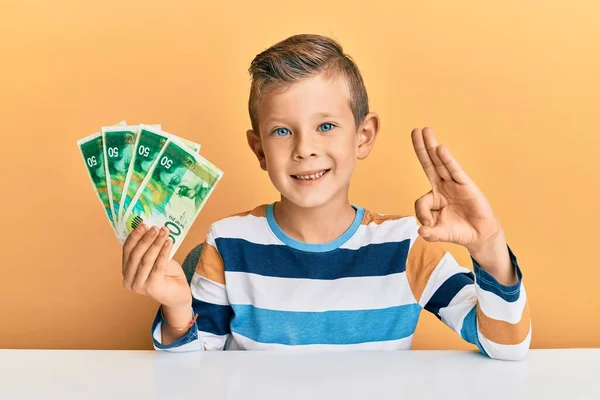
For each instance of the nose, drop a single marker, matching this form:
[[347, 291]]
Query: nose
[[305, 146]]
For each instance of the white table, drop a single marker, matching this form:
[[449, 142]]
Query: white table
[[75, 374]]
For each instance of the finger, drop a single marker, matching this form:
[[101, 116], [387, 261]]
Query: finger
[[162, 261], [148, 261], [431, 144], [457, 173], [135, 256], [423, 156], [132, 240], [423, 209]]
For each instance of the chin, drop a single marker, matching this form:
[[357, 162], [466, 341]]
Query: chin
[[314, 200], [306, 203], [307, 197]]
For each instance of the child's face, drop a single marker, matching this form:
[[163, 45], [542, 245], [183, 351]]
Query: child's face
[[308, 140]]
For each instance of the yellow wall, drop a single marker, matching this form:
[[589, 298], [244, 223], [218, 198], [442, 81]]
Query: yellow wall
[[512, 89]]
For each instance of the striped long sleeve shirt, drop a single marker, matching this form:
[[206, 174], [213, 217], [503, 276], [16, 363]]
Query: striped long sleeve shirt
[[256, 288]]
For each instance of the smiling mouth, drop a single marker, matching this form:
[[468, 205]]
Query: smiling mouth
[[311, 177]]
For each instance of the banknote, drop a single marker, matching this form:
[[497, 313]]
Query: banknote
[[119, 142], [92, 150], [173, 192], [192, 145], [149, 143]]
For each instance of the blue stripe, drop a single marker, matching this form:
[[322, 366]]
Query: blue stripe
[[212, 318], [469, 329], [488, 283], [289, 241], [327, 327], [285, 262], [446, 292]]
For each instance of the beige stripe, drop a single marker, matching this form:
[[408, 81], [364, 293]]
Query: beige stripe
[[260, 211], [423, 257], [369, 217], [210, 265], [503, 332]]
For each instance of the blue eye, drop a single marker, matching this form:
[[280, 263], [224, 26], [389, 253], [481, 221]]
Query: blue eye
[[326, 127], [281, 132]]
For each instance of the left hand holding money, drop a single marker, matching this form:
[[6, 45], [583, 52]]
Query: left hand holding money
[[456, 211]]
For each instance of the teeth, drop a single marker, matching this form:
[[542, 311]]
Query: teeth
[[311, 176]]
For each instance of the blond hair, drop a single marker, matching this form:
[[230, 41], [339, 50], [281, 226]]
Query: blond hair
[[304, 56]]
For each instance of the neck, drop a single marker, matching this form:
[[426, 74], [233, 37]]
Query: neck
[[316, 225]]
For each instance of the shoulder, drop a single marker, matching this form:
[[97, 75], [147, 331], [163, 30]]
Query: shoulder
[[382, 228], [378, 228], [377, 219], [256, 212], [240, 224], [398, 225]]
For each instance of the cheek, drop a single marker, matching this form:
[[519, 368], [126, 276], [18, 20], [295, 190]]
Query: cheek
[[276, 162], [345, 153], [272, 157]]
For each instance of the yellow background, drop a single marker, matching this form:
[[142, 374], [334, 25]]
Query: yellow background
[[512, 88]]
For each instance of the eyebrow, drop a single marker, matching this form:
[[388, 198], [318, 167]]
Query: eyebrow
[[325, 115], [277, 119]]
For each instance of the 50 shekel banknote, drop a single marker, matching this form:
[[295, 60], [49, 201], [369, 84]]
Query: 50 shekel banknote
[[92, 150]]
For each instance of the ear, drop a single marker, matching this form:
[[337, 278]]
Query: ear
[[256, 147], [367, 133]]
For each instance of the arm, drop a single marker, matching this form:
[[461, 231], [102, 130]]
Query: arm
[[209, 302], [493, 316], [488, 308]]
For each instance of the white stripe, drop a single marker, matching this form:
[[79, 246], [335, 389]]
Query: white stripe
[[446, 268], [505, 351], [244, 343], [256, 230], [194, 345], [293, 294], [496, 307], [454, 314], [388, 231], [250, 228], [212, 341], [208, 291]]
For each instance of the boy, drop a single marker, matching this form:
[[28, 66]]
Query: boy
[[313, 271]]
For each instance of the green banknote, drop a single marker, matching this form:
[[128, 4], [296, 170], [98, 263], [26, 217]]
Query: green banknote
[[92, 150], [192, 145], [119, 143], [149, 144], [173, 192]]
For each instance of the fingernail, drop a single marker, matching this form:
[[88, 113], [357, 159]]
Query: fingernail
[[154, 230], [163, 231], [141, 227]]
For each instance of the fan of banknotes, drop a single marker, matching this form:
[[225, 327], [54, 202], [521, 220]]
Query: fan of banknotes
[[142, 174]]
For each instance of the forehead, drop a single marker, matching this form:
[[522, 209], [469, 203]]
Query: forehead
[[306, 98]]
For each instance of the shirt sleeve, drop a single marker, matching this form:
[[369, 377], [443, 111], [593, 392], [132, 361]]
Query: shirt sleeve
[[209, 300], [492, 316]]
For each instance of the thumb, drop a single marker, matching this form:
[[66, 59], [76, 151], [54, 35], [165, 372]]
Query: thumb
[[434, 234], [423, 207], [430, 230]]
